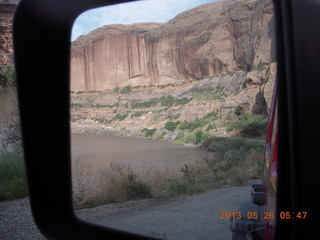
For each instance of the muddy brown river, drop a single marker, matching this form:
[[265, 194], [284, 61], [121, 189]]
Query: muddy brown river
[[99, 150]]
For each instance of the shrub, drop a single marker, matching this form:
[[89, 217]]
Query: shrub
[[262, 66], [13, 181], [180, 136], [120, 183], [104, 106], [76, 105], [147, 104], [182, 187], [212, 114], [149, 132], [136, 188], [171, 117], [126, 90], [161, 136], [167, 101], [193, 124], [137, 114], [182, 101], [223, 144], [190, 138], [210, 93], [171, 126], [121, 117], [250, 125], [211, 126], [201, 136], [116, 90], [233, 160], [103, 120]]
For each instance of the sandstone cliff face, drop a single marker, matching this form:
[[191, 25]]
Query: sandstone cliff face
[[211, 39], [6, 46], [127, 114]]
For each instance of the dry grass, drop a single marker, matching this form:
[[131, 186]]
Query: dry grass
[[227, 162], [118, 183]]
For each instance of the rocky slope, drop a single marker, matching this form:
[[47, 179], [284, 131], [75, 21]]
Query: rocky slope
[[209, 105], [212, 39]]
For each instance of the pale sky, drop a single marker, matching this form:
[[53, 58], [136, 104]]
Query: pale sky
[[159, 11]]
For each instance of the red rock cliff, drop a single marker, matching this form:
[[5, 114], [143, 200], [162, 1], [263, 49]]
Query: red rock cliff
[[211, 39]]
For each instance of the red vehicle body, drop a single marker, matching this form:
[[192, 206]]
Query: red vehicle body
[[270, 173], [258, 217]]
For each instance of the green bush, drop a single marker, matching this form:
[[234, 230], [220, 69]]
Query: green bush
[[193, 124], [137, 114], [136, 189], [180, 136], [177, 188], [76, 105], [212, 114], [211, 126], [161, 136], [147, 104], [171, 117], [126, 90], [103, 120], [234, 160], [149, 132], [104, 106], [210, 93], [223, 144], [171, 126], [167, 101], [121, 117], [164, 101], [201, 136], [250, 125], [182, 101], [13, 181], [121, 183]]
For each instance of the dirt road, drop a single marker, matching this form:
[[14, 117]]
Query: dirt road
[[187, 217]]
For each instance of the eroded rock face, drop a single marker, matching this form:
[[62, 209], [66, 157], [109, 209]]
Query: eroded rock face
[[6, 46], [208, 40]]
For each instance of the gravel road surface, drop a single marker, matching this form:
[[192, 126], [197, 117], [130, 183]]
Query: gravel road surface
[[187, 217]]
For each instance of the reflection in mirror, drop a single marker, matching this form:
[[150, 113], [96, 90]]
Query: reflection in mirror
[[170, 105]]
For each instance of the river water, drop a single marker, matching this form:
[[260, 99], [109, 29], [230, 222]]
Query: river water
[[99, 150]]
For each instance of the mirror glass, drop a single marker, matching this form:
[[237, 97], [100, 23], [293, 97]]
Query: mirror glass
[[170, 105]]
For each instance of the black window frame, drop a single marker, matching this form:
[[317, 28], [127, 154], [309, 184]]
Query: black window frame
[[42, 32]]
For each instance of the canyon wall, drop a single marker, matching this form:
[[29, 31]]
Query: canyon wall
[[212, 39]]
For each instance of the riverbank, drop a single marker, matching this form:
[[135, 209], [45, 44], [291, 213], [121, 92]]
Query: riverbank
[[220, 162]]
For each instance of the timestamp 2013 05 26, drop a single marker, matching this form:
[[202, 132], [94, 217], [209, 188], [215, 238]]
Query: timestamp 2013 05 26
[[264, 215]]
